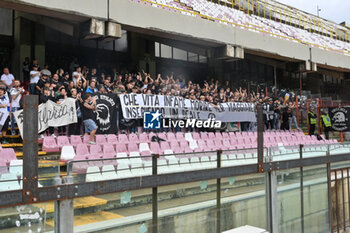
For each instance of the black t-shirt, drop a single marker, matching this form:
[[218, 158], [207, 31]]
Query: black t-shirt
[[60, 98], [91, 76], [57, 83], [45, 98], [87, 113], [41, 83]]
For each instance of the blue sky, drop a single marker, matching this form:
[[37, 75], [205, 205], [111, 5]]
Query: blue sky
[[335, 10]]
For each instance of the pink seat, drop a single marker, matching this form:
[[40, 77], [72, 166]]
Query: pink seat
[[132, 147], [62, 141], [201, 146], [50, 145], [122, 138], [7, 155], [80, 167], [219, 145], [144, 137], [100, 139], [211, 135], [75, 140], [171, 136], [121, 147], [164, 146], [134, 138], [112, 139], [174, 145], [225, 135], [179, 136], [218, 135], [204, 136], [185, 147], [82, 152], [196, 136], [108, 149], [154, 147]]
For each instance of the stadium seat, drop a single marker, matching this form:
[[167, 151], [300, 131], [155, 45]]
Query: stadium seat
[[123, 171], [154, 148], [188, 137], [50, 145], [179, 136], [95, 151], [9, 181], [132, 147], [16, 167], [62, 141], [108, 172], [171, 136], [121, 147], [100, 139], [93, 174], [67, 153], [144, 137], [7, 155], [134, 138], [122, 138], [143, 147], [112, 139], [75, 140], [108, 151], [86, 139], [82, 152]]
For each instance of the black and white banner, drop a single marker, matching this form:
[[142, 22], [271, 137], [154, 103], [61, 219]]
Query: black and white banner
[[340, 118], [134, 105], [106, 113], [51, 114]]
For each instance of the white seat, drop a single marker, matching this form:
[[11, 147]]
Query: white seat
[[134, 154], [93, 174], [188, 137], [123, 171], [174, 166], [108, 172], [9, 181], [193, 144], [185, 164], [122, 155], [162, 166], [168, 152], [67, 153], [16, 167], [144, 147]]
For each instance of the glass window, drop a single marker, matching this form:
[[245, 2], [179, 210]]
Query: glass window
[[192, 57], [165, 51], [156, 49], [202, 59], [179, 54]]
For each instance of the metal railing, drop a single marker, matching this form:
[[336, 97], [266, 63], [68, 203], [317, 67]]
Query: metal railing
[[65, 190]]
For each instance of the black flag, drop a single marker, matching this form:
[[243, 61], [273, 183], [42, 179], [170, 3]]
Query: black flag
[[106, 113]]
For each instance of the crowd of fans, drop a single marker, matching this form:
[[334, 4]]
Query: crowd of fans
[[279, 112]]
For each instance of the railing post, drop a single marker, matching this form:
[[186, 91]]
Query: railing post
[[272, 204], [329, 184], [301, 189], [30, 149], [154, 196], [218, 195], [260, 122], [64, 209]]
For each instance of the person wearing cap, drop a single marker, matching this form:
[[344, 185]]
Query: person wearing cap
[[4, 101], [312, 120], [34, 78], [326, 123]]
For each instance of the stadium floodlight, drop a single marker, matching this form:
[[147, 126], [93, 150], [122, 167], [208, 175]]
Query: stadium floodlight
[[318, 11]]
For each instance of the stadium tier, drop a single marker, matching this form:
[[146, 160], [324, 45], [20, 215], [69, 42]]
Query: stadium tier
[[210, 10]]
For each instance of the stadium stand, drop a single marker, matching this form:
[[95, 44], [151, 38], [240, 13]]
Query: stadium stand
[[323, 34]]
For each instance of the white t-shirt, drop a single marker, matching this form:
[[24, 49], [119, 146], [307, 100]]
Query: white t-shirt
[[15, 102], [7, 79], [36, 77], [74, 78], [4, 100]]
